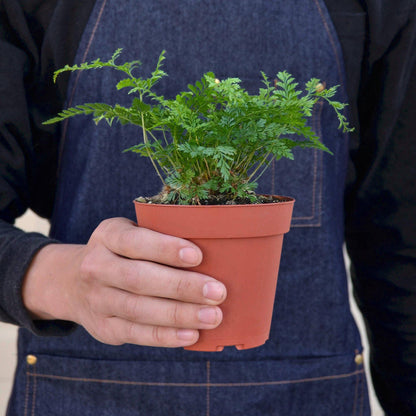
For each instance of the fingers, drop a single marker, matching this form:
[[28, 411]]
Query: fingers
[[120, 317], [123, 237], [156, 280], [121, 332], [158, 312], [113, 260]]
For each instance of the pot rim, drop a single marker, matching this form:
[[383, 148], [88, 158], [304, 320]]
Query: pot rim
[[216, 221], [282, 200]]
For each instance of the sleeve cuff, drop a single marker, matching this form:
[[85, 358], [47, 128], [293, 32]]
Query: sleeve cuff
[[17, 250]]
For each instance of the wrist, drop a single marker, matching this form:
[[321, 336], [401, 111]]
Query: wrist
[[46, 289]]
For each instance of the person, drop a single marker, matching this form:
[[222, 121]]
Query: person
[[95, 298]]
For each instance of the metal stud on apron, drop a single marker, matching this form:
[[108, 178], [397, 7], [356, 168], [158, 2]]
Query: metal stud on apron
[[310, 364]]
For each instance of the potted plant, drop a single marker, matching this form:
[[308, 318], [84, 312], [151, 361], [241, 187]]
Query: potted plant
[[209, 145]]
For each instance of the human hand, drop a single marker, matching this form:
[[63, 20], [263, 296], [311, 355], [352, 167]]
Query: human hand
[[125, 286]]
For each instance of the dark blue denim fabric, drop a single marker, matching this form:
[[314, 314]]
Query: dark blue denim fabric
[[308, 365], [322, 386]]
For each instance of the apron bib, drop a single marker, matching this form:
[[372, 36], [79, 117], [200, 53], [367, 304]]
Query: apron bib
[[308, 366]]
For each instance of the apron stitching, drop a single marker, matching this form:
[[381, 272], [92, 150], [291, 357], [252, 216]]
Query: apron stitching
[[84, 58], [27, 392], [282, 382], [316, 122], [331, 39], [334, 49], [34, 396], [317, 225], [312, 216], [362, 394], [354, 408], [210, 384], [321, 162], [317, 128], [360, 387]]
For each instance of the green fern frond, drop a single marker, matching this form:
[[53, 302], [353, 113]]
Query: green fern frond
[[214, 137]]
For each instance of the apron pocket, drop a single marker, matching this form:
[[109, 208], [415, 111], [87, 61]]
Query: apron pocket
[[50, 385]]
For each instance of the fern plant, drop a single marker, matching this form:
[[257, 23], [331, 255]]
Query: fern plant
[[214, 139]]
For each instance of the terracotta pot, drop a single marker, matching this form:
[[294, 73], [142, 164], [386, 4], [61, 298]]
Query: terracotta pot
[[241, 245]]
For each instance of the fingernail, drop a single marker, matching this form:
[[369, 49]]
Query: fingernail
[[189, 255], [208, 315], [186, 334], [214, 291]]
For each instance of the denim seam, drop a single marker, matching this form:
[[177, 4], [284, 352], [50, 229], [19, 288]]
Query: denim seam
[[354, 407], [318, 130], [358, 408], [27, 392], [362, 394], [331, 39], [333, 42], [30, 394], [317, 185], [74, 87], [34, 396], [314, 186], [206, 384]]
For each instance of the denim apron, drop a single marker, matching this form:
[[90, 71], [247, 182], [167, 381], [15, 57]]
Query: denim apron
[[311, 365]]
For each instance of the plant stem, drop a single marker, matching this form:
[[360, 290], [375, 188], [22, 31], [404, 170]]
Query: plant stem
[[146, 141], [264, 160]]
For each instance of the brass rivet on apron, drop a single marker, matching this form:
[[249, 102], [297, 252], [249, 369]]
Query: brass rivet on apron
[[359, 359], [31, 359]]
